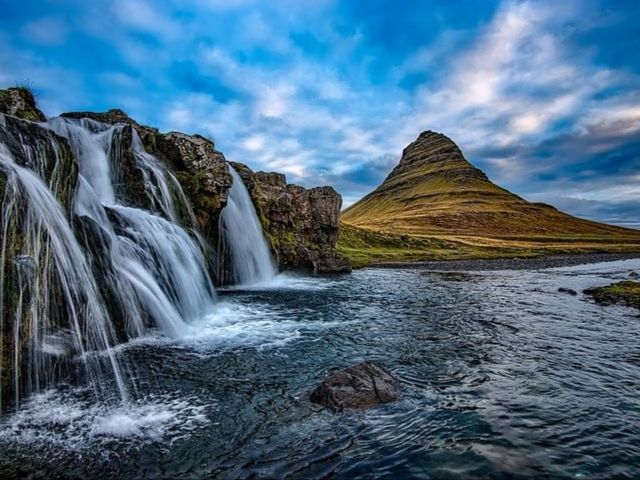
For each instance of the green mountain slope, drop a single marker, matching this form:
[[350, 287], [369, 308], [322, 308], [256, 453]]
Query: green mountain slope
[[434, 192]]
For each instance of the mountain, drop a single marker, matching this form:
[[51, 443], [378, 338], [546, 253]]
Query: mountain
[[434, 192]]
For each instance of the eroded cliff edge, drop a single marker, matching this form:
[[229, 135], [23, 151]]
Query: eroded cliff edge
[[300, 224]]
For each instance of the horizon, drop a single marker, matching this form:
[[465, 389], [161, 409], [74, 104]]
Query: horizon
[[543, 98]]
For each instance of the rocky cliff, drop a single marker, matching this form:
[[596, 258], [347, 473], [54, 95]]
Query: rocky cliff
[[90, 261], [301, 224]]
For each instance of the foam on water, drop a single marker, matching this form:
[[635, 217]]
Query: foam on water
[[233, 325], [229, 326], [285, 281], [73, 421]]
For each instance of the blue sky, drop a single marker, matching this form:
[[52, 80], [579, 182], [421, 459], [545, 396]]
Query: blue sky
[[542, 95]]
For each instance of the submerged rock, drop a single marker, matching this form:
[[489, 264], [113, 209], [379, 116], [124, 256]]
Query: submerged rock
[[570, 291], [362, 386], [634, 275]]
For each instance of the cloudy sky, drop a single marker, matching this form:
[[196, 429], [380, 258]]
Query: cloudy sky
[[542, 95]]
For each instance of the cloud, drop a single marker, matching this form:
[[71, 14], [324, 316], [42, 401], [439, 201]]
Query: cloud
[[48, 31], [543, 95]]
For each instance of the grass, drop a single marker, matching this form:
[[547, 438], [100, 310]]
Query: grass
[[626, 292], [365, 247]]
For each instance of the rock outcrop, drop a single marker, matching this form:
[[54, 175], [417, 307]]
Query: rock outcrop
[[19, 102], [570, 291], [362, 386], [625, 293], [301, 224]]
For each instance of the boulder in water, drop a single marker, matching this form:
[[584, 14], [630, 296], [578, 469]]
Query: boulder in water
[[362, 386], [570, 291]]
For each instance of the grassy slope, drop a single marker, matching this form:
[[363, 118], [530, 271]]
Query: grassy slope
[[435, 204]]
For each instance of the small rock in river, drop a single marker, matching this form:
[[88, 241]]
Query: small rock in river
[[634, 275], [362, 386], [567, 290]]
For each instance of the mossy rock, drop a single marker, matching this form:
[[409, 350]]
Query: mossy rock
[[20, 102], [625, 293]]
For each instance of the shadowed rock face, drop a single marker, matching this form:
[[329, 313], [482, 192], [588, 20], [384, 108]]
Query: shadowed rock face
[[362, 386], [435, 190], [301, 224]]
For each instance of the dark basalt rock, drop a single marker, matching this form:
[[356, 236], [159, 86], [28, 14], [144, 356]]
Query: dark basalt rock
[[362, 386], [301, 224], [203, 174], [570, 291]]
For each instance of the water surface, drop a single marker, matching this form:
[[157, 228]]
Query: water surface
[[501, 376]]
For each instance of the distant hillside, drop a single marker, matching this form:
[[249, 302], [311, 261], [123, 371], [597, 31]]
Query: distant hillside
[[434, 192]]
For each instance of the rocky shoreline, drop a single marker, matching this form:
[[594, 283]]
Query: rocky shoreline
[[530, 263]]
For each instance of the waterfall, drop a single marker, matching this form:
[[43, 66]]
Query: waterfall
[[250, 255], [118, 268], [49, 240], [152, 257]]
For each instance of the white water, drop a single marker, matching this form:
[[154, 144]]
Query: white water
[[250, 255], [160, 269], [48, 238], [138, 268], [69, 420]]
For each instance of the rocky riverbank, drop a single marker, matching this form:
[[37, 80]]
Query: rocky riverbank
[[625, 293]]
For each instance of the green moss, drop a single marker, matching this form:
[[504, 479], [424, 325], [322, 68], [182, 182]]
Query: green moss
[[626, 292]]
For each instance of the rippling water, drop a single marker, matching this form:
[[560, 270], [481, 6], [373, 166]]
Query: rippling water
[[501, 376]]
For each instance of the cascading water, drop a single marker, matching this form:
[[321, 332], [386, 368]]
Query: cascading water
[[152, 257], [251, 258], [52, 258], [117, 269]]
